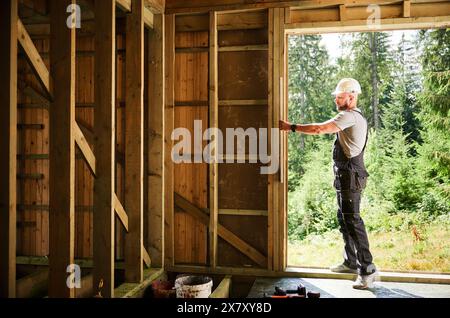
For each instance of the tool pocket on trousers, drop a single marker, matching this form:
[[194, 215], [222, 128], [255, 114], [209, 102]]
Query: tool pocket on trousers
[[343, 180], [360, 180], [350, 180]]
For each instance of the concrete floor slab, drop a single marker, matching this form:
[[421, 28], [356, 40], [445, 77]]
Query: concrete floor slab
[[339, 288]]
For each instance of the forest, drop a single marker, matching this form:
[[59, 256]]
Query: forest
[[405, 98]]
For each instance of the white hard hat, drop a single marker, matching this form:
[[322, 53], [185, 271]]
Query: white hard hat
[[347, 85]]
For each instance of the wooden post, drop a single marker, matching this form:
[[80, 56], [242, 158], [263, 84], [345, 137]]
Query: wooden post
[[104, 128], [62, 151], [276, 116], [8, 146], [134, 142], [213, 123], [155, 143], [169, 122], [271, 124]]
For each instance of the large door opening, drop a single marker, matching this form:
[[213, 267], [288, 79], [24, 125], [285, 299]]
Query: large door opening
[[404, 77]]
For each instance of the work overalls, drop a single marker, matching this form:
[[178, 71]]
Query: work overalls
[[350, 179]]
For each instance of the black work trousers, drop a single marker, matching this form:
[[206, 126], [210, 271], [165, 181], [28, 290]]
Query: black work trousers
[[356, 249]]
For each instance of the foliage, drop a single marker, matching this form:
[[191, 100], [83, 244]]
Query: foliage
[[408, 155]]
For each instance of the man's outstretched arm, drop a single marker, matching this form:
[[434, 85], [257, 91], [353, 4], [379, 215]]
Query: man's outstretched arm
[[328, 127]]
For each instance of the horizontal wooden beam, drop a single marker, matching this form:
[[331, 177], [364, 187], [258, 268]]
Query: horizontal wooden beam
[[244, 102], [84, 147], [224, 288], [263, 47], [192, 50], [43, 261], [310, 273], [191, 103], [34, 58], [242, 21], [120, 211], [155, 6], [137, 290], [361, 25], [238, 158], [243, 212], [223, 232]]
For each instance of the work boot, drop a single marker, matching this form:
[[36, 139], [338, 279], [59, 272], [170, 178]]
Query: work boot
[[342, 268], [366, 281]]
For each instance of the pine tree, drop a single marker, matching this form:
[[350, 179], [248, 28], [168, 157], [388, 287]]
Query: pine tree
[[371, 61], [435, 105], [310, 100]]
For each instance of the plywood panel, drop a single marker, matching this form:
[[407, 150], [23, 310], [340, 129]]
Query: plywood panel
[[242, 37], [242, 117], [228, 255], [191, 180], [248, 81], [242, 186]]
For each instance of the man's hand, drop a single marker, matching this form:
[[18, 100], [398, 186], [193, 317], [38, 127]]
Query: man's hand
[[284, 125]]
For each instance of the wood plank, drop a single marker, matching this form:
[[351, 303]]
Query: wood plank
[[34, 285], [148, 18], [120, 211], [146, 257], [276, 117], [191, 50], [156, 6], [361, 25], [342, 12], [134, 142], [84, 147], [241, 48], [34, 58], [244, 102], [223, 232], [243, 212], [192, 23], [124, 5], [190, 6], [224, 288], [270, 124], [62, 151], [156, 100], [213, 123], [131, 290], [8, 146], [406, 8], [242, 21], [169, 126], [104, 125]]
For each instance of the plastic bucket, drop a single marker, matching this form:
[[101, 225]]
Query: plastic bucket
[[193, 286]]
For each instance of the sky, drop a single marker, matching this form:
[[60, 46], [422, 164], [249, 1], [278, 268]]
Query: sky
[[331, 41]]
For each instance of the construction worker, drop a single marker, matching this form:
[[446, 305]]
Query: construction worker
[[351, 131]]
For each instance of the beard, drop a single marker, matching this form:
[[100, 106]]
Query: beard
[[344, 107]]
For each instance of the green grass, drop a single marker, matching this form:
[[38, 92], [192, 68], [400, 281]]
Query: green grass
[[392, 250]]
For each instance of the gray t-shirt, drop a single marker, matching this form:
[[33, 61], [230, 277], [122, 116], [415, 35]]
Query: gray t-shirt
[[352, 136]]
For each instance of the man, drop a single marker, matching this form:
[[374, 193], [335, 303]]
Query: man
[[351, 131]]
